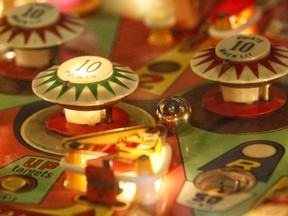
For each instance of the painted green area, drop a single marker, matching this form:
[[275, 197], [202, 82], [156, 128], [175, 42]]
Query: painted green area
[[198, 147], [101, 28], [40, 174], [9, 101]]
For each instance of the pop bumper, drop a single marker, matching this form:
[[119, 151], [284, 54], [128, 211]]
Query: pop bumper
[[245, 68], [87, 88], [35, 31]]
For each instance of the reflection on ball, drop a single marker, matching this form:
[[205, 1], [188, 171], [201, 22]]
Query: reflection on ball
[[173, 111]]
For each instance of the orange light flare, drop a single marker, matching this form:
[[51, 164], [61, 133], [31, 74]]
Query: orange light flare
[[186, 11], [1, 8], [242, 18], [73, 180], [6, 5], [135, 9], [229, 19]]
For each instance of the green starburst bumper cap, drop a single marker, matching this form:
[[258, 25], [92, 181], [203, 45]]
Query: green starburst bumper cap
[[84, 83]]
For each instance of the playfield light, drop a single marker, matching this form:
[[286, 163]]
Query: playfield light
[[229, 19], [137, 159]]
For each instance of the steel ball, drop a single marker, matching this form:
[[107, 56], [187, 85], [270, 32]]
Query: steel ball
[[174, 111]]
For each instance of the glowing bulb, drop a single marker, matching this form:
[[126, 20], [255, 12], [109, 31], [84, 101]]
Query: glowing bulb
[[10, 55], [1, 8], [129, 189], [83, 117]]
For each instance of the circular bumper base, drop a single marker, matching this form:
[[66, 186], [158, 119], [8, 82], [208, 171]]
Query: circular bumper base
[[10, 69], [56, 121], [213, 101]]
